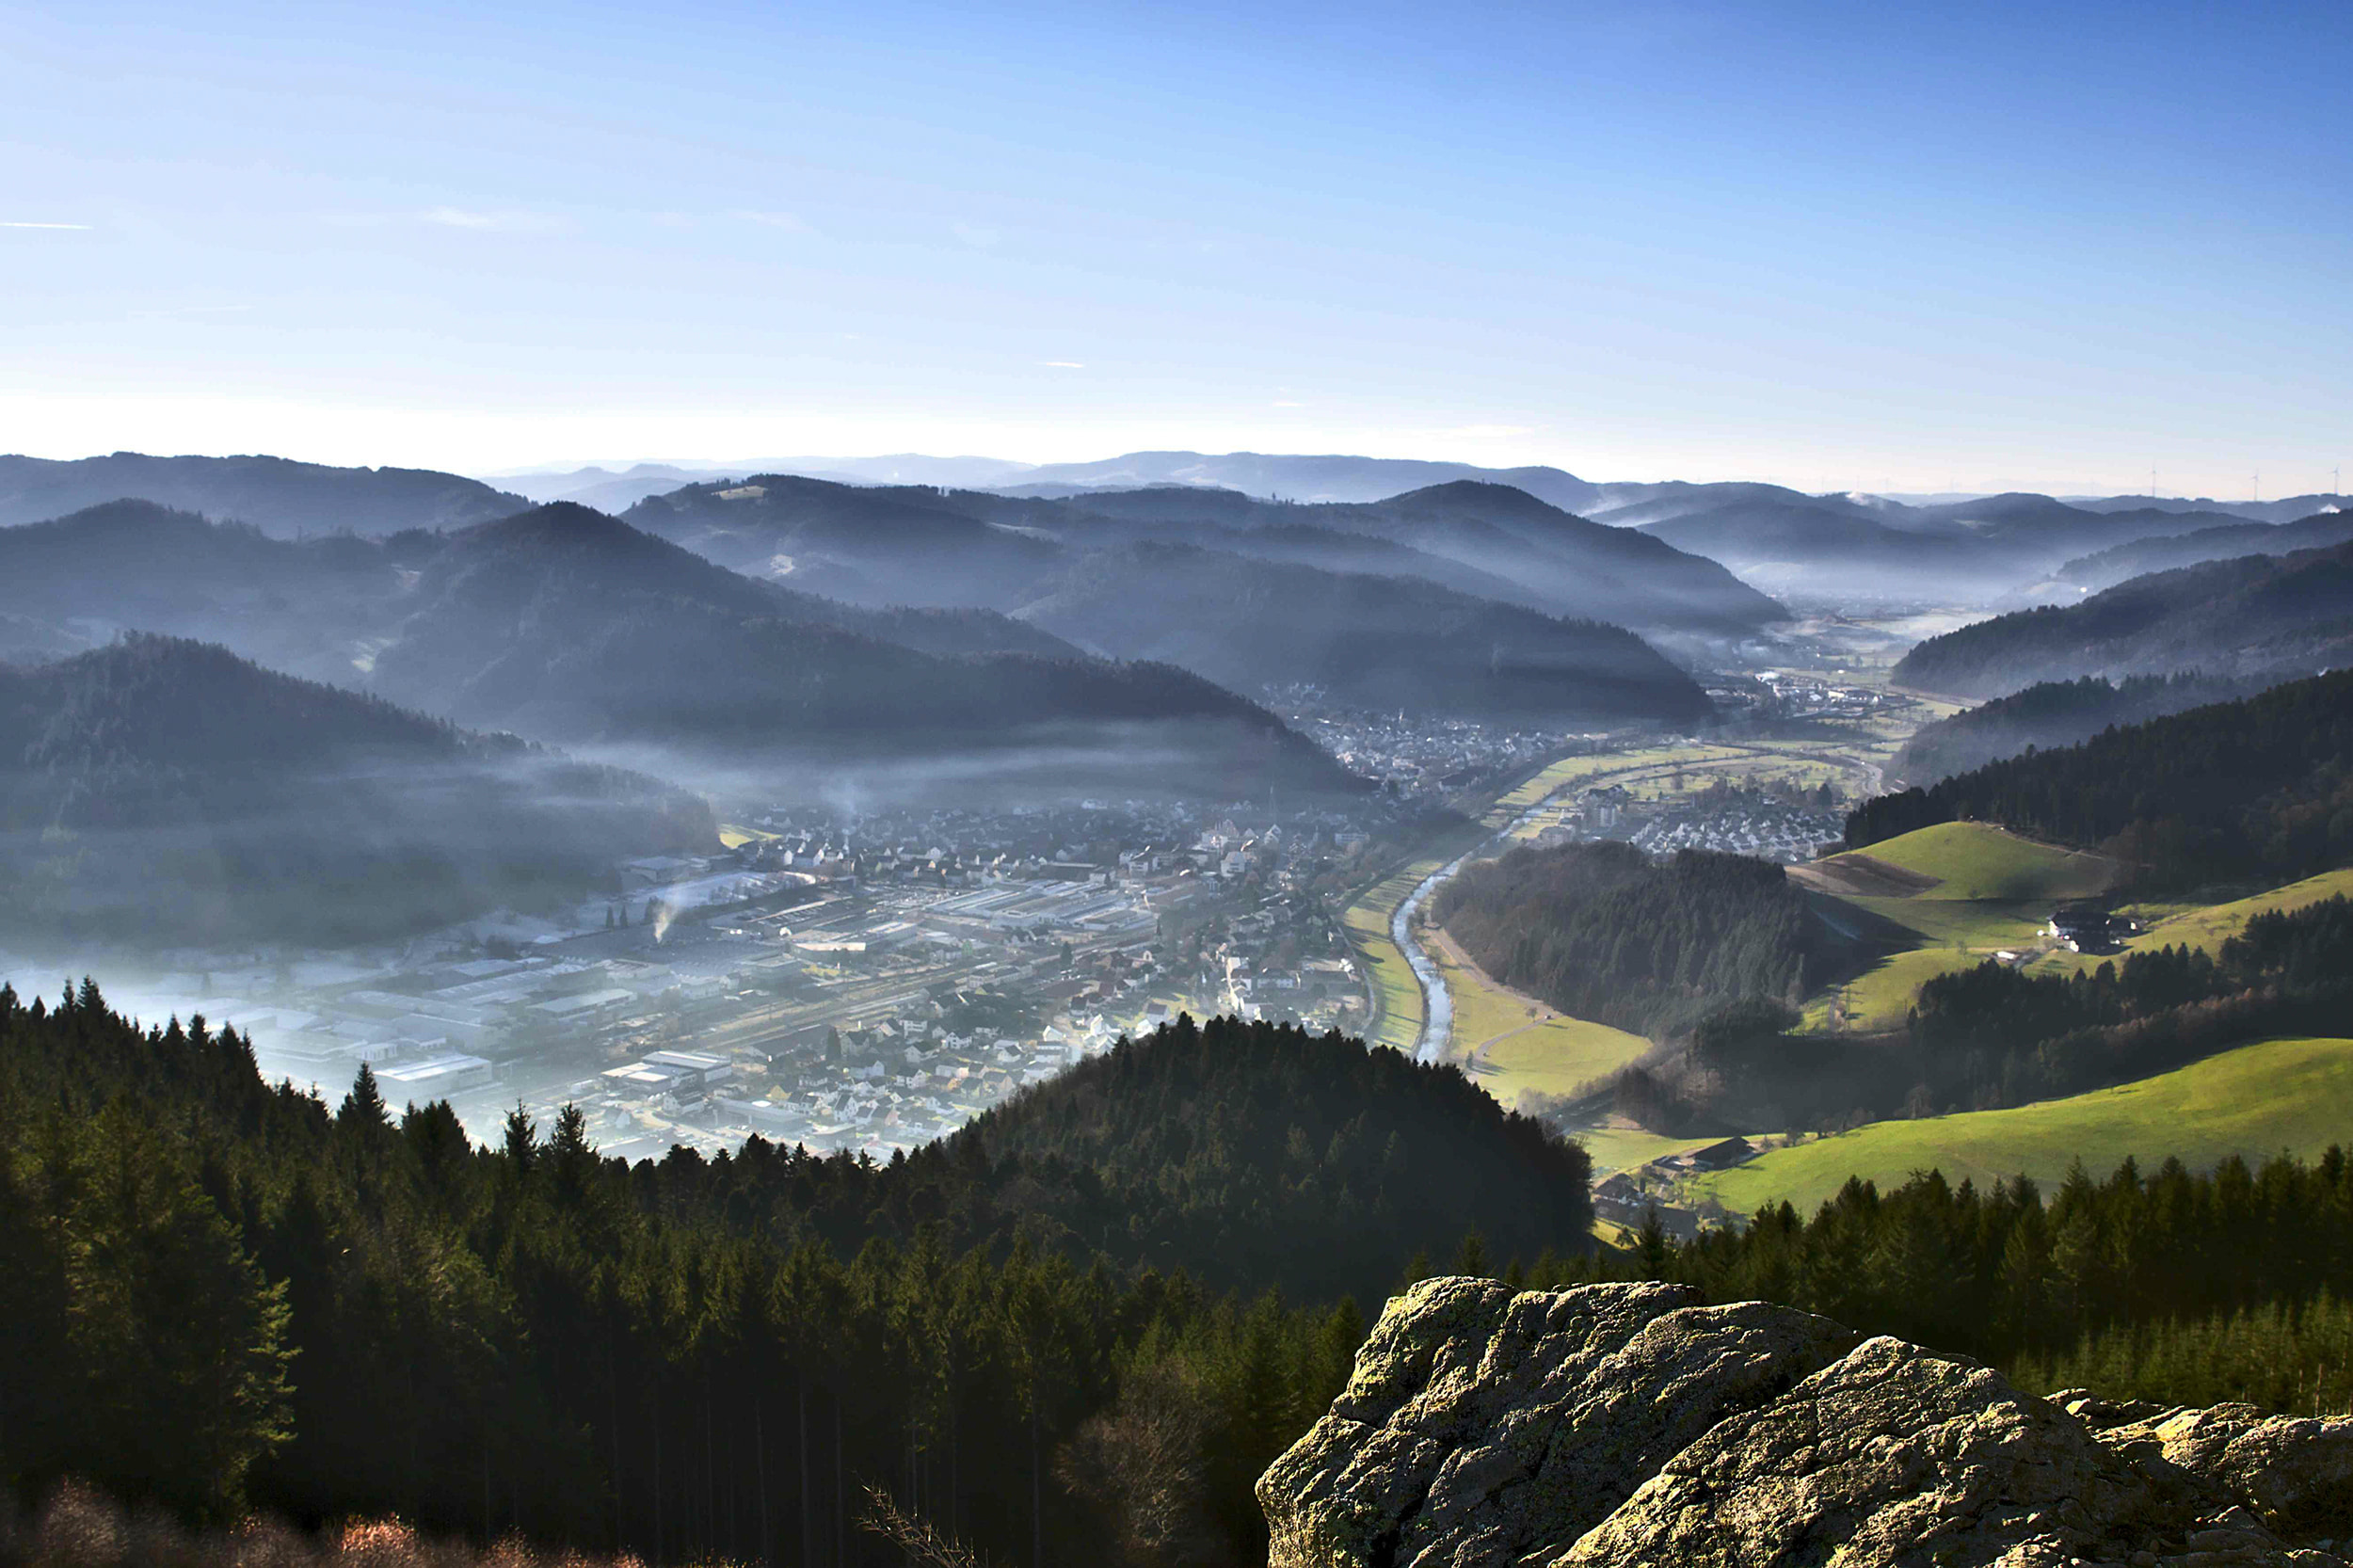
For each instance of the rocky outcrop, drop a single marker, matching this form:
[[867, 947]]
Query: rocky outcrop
[[1630, 1425]]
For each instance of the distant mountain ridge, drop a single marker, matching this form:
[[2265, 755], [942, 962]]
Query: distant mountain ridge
[[2225, 542], [1372, 641], [279, 496], [2289, 615], [569, 626], [1975, 551], [918, 545]]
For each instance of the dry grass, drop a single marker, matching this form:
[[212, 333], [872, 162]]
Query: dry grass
[[83, 1528]]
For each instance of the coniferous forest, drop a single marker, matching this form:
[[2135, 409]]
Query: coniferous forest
[[221, 1295], [1600, 931], [2254, 789]]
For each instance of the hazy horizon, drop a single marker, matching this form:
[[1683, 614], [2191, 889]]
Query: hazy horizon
[[1829, 246]]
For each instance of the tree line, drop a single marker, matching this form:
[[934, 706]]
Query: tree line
[[2121, 1284], [2256, 788], [221, 1294], [1601, 930]]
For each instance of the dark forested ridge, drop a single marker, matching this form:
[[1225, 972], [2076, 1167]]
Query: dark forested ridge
[[1213, 1154], [2258, 790], [1601, 930], [2055, 713], [565, 625], [2288, 616], [164, 790], [220, 1294], [919, 545], [1377, 641], [274, 494], [2226, 542]]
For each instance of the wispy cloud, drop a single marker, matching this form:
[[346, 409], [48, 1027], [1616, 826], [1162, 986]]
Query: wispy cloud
[[1063, 364], [790, 222], [1484, 432], [177, 312], [13, 224], [1284, 402], [504, 222]]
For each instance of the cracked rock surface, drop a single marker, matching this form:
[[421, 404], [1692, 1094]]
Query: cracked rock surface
[[1621, 1425]]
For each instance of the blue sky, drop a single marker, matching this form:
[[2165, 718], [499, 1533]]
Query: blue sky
[[1834, 245]]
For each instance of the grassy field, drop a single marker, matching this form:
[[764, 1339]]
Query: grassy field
[[1623, 1148], [735, 835], [2292, 1096], [1511, 1044], [1397, 997], [1975, 862], [1964, 892], [1879, 998], [2209, 926]]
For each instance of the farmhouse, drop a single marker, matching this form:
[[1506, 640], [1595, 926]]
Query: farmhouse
[[2088, 928]]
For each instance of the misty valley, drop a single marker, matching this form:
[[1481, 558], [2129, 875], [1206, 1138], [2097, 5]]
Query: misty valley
[[813, 1016]]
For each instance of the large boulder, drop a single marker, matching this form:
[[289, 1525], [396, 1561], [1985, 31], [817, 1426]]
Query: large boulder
[[1623, 1425]]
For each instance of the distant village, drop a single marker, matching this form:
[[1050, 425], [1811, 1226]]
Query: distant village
[[860, 983], [869, 981]]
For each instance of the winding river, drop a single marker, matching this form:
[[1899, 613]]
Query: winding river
[[1438, 1003]]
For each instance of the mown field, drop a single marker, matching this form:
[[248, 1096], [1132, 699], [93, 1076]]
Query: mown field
[[1397, 997], [1978, 862], [1513, 1045], [1964, 890], [2279, 1096]]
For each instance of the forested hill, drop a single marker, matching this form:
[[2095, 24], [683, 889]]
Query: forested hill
[[2259, 788], [567, 626], [915, 544], [1377, 641], [2055, 713], [1575, 566], [274, 494], [166, 791], [1601, 930], [2229, 542], [2260, 614], [221, 1294], [570, 625], [1248, 1154]]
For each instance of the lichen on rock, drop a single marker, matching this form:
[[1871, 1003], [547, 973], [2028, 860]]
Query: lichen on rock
[[1630, 1425]]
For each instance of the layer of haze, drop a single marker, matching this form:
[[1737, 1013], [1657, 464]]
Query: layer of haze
[[1835, 245]]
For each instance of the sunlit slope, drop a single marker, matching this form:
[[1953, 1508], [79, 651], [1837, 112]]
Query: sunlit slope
[[1965, 890], [1976, 862], [1513, 1045], [2292, 1096], [2208, 926]]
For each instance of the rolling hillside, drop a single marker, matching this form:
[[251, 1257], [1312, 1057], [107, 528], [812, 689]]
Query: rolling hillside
[[165, 792], [2257, 787], [2229, 542], [1384, 642], [2291, 1096], [565, 623], [2054, 713], [2257, 615]]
